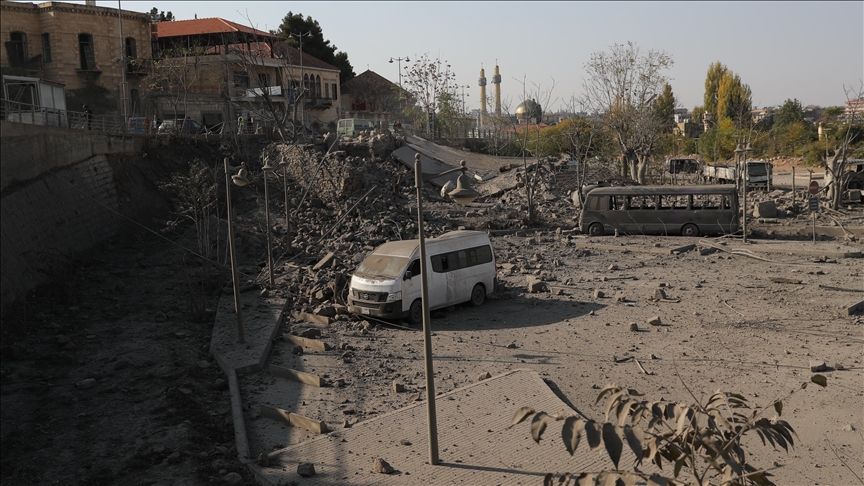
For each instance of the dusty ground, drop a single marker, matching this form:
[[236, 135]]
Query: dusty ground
[[157, 411]]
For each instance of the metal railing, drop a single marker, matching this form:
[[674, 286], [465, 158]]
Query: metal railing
[[15, 111]]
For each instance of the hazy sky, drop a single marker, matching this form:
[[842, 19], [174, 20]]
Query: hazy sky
[[783, 50]]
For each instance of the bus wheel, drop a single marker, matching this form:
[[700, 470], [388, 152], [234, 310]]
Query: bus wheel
[[690, 229], [478, 296], [596, 229], [415, 313]]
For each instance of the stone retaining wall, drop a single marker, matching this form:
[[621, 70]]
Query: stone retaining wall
[[46, 220]]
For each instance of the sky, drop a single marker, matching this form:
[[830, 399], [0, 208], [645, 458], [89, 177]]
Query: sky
[[783, 50]]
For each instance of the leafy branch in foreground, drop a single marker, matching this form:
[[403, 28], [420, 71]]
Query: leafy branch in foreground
[[702, 442]]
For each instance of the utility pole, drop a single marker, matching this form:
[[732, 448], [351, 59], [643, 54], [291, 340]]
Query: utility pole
[[302, 81]]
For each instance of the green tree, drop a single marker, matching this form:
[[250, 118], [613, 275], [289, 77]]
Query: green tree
[[696, 114], [712, 88], [734, 100], [296, 28], [157, 16], [664, 106], [791, 112]]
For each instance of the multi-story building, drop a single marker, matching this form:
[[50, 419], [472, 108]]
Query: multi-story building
[[854, 109], [100, 54], [213, 71], [370, 96]]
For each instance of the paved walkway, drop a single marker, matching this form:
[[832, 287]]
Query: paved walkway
[[475, 445]]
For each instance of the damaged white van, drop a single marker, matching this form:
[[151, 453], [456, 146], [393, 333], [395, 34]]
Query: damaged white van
[[461, 268]]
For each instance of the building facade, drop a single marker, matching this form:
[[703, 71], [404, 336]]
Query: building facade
[[100, 54], [216, 71]]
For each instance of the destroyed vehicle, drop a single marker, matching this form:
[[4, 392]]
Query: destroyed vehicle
[[681, 166], [460, 268], [351, 127], [661, 210]]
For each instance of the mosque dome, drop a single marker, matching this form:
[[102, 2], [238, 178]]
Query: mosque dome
[[529, 109]]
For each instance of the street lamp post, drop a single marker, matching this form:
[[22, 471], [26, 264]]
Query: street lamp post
[[240, 180], [744, 181], [463, 194], [284, 164], [268, 169], [399, 61]]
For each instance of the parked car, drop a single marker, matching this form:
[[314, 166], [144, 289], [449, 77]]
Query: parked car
[[181, 125]]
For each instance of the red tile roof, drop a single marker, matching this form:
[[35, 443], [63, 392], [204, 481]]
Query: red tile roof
[[213, 25]]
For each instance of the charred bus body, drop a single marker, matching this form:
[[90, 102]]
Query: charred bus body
[[661, 210]]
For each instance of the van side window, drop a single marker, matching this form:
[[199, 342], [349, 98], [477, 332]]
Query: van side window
[[455, 260]]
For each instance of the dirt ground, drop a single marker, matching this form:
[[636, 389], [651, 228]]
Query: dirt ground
[[113, 383]]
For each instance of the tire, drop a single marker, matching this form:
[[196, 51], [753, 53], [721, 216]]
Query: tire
[[689, 229], [415, 313], [478, 295], [596, 229]]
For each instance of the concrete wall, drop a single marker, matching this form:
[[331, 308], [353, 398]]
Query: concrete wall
[[27, 151], [51, 218], [59, 197]]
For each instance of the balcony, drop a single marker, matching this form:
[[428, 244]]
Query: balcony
[[319, 103], [137, 67]]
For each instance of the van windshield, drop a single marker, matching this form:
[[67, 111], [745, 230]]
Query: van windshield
[[382, 267]]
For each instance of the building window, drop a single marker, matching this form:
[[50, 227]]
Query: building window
[[85, 50], [46, 47], [16, 48], [262, 80], [306, 86], [241, 80], [317, 86], [327, 91], [335, 96], [131, 50]]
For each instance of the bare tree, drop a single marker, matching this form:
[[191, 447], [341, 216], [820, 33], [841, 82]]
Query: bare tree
[[172, 77], [835, 164], [534, 97], [267, 65], [426, 80], [622, 84]]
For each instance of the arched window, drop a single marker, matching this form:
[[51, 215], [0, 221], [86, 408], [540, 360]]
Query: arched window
[[131, 50], [17, 48], [317, 86], [306, 85], [86, 51], [327, 90]]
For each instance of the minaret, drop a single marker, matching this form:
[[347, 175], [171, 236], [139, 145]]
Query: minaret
[[482, 83], [496, 80]]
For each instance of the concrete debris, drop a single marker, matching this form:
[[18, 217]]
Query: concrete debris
[[634, 327], [484, 376], [535, 284], [381, 466], [817, 366], [398, 387], [306, 469], [654, 321], [599, 294], [659, 294]]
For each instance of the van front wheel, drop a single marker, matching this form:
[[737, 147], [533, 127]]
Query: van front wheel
[[478, 296], [596, 229], [690, 229], [415, 313]]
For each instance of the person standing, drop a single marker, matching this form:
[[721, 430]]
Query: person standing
[[89, 114], [240, 123]]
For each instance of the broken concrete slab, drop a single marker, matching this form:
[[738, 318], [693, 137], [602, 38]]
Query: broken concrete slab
[[280, 415], [324, 262], [297, 376], [307, 343]]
